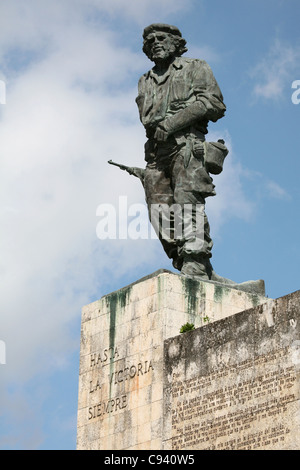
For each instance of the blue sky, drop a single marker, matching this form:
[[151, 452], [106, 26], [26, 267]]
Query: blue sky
[[71, 69]]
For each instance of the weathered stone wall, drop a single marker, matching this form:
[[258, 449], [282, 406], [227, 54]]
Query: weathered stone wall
[[120, 403], [234, 384]]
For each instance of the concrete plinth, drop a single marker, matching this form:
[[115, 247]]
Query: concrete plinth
[[121, 382]]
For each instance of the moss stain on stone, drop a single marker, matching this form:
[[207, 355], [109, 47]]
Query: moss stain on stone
[[191, 288], [256, 300], [116, 303], [160, 289], [220, 292]]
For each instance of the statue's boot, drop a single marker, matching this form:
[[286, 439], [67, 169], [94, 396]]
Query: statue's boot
[[203, 270], [255, 287]]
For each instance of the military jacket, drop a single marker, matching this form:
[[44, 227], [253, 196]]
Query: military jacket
[[186, 95]]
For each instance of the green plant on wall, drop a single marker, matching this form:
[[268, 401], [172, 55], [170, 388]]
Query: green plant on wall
[[187, 327]]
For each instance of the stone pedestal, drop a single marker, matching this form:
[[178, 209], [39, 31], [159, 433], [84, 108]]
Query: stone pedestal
[[121, 402]]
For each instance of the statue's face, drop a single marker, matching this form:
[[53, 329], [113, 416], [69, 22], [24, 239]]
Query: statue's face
[[161, 46]]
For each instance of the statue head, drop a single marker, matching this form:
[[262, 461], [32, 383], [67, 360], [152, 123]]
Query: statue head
[[163, 41]]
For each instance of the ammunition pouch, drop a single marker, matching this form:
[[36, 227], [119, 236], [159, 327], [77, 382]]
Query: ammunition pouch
[[214, 156]]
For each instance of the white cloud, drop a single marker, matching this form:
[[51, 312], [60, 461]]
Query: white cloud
[[204, 52], [230, 201], [59, 127], [276, 191], [34, 25], [139, 10], [274, 73]]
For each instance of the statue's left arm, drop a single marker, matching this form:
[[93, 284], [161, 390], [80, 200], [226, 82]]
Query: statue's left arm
[[207, 105]]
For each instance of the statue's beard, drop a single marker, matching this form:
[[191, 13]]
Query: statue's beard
[[162, 56]]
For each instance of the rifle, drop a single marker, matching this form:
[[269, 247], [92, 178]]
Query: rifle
[[132, 170]]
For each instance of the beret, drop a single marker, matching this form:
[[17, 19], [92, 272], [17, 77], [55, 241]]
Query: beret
[[167, 28]]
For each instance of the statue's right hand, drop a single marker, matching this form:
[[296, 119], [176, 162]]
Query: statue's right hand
[[161, 134]]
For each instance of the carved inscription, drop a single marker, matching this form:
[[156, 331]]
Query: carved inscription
[[103, 357], [109, 360], [222, 410], [107, 406], [130, 372]]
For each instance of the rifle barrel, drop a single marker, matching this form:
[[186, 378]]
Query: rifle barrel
[[123, 167]]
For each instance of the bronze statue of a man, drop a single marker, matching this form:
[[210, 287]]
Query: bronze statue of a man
[[176, 100]]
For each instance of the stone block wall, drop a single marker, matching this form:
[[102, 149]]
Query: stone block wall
[[121, 380]]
